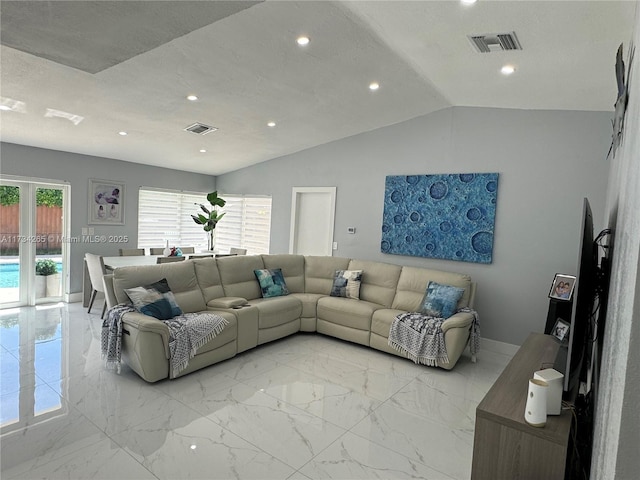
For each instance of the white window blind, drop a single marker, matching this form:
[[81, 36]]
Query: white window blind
[[246, 224], [166, 216]]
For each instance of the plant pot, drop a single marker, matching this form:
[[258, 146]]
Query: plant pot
[[53, 285], [41, 286]]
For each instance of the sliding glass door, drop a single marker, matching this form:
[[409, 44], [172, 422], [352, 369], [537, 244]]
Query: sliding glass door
[[10, 227], [33, 250]]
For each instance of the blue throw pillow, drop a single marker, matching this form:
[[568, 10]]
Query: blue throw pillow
[[440, 300], [156, 300], [271, 282], [346, 283]]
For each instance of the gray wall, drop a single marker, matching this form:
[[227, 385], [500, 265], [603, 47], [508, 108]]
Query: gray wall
[[77, 169], [547, 161]]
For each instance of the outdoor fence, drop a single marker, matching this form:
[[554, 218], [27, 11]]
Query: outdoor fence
[[48, 237]]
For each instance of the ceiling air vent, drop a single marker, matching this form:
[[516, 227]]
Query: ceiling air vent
[[200, 129], [495, 42]]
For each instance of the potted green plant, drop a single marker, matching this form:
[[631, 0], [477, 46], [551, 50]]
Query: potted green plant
[[210, 216], [47, 278]]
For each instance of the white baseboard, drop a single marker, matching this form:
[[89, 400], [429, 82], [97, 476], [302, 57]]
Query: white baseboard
[[498, 347], [74, 297]]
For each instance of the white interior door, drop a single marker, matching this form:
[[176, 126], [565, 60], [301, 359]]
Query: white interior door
[[312, 219]]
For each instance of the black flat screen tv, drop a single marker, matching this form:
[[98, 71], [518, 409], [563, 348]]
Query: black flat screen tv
[[573, 355]]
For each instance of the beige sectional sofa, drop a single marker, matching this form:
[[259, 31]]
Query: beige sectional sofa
[[219, 285]]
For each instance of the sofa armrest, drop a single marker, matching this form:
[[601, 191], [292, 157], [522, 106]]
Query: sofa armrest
[[227, 302], [458, 320], [456, 330], [145, 323]]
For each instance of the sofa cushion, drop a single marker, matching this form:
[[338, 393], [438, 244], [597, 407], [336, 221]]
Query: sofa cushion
[[155, 300], [319, 273], [413, 283], [440, 300], [382, 320], [309, 303], [379, 281], [277, 310], [346, 283], [292, 267], [238, 279], [347, 312], [271, 282], [208, 278], [181, 277], [228, 334]]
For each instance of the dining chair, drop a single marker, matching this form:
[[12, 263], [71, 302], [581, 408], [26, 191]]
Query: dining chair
[[170, 259], [95, 266], [131, 252], [156, 251], [238, 251], [188, 249]]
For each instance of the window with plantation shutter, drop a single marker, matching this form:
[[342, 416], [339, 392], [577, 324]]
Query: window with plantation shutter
[[246, 224], [165, 215]]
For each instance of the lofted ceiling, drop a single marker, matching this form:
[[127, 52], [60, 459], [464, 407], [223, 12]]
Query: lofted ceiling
[[76, 73]]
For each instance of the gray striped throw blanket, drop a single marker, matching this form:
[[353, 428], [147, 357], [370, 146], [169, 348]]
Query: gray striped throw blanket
[[421, 338], [187, 333]]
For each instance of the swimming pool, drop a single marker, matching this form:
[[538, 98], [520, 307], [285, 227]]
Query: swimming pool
[[10, 274]]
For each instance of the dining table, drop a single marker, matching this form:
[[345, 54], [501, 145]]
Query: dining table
[[111, 263]]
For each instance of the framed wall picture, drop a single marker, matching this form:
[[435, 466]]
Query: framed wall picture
[[561, 330], [106, 202], [562, 287], [443, 216]]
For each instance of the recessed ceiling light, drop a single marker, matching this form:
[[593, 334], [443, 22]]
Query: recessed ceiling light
[[271, 124], [507, 69], [373, 86], [123, 133], [302, 40], [72, 117], [202, 150], [192, 98], [468, 2], [10, 105]]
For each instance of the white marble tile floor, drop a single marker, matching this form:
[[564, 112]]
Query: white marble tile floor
[[303, 407]]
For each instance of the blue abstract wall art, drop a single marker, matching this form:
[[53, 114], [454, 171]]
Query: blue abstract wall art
[[450, 217]]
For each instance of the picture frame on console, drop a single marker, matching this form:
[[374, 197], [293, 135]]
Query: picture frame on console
[[562, 287], [561, 330]]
